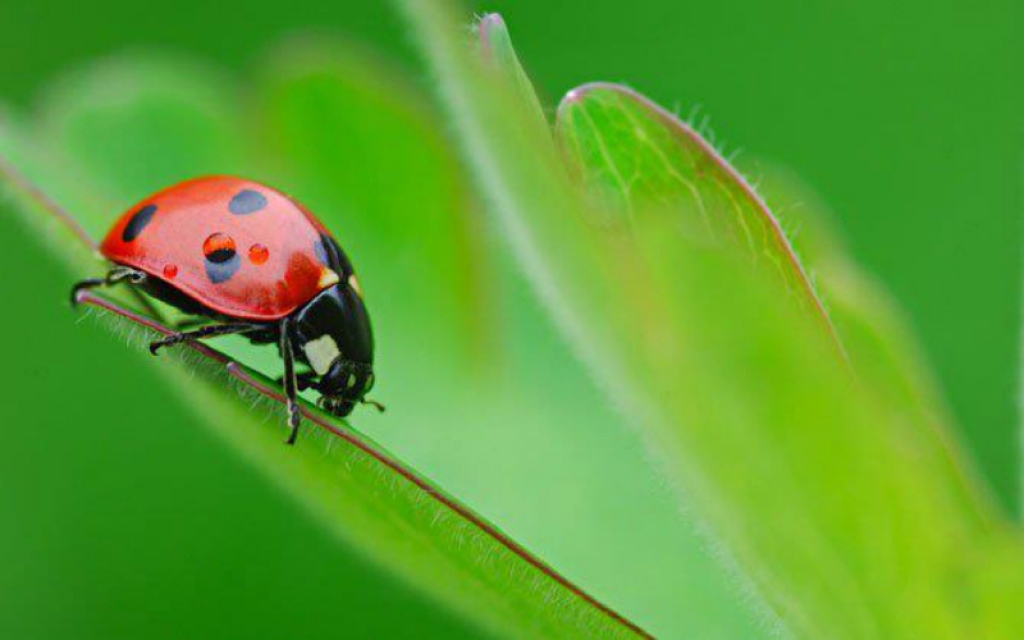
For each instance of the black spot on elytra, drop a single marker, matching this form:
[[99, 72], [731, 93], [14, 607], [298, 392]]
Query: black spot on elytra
[[139, 221], [221, 265], [247, 201]]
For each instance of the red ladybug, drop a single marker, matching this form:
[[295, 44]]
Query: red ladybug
[[259, 264]]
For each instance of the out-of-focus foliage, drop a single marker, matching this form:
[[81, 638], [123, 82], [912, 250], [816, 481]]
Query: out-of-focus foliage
[[837, 499]]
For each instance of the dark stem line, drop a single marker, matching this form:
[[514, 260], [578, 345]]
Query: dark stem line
[[239, 372]]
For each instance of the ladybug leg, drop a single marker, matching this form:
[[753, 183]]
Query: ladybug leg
[[117, 275], [210, 331], [303, 380], [291, 391], [85, 285], [189, 324], [114, 276], [306, 380]]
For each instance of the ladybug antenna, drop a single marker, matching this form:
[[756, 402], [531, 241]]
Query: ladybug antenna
[[373, 403]]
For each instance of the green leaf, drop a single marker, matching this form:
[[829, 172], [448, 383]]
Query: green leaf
[[537, 448], [361, 492], [838, 505], [636, 157], [832, 504], [496, 48], [878, 337]]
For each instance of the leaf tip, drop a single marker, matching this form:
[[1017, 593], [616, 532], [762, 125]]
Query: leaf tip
[[577, 95], [489, 25], [492, 19]]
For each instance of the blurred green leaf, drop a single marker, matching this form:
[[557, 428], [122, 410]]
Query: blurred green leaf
[[496, 49], [344, 129], [838, 504], [22, 170], [881, 344], [832, 504], [126, 126], [362, 493]]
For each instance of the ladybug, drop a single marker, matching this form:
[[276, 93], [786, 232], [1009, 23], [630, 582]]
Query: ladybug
[[253, 262]]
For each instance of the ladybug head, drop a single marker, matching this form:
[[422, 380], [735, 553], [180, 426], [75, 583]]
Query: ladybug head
[[344, 385], [332, 334]]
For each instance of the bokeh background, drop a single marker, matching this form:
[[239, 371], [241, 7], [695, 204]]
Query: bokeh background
[[906, 118]]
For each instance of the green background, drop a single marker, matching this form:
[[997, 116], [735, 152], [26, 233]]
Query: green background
[[907, 120]]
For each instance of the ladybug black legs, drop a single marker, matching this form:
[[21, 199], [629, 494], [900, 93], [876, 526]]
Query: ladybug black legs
[[303, 380], [118, 275], [114, 276], [210, 331], [291, 379], [291, 382]]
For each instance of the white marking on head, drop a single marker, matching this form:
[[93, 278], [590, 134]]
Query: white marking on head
[[321, 353]]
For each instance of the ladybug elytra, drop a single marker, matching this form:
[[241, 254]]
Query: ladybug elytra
[[257, 264]]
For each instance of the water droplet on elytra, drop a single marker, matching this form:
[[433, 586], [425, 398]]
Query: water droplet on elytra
[[258, 254], [219, 248]]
